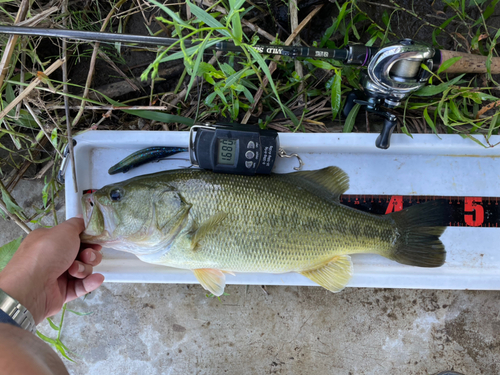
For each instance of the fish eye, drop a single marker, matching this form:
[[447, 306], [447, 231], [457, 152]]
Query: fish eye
[[116, 195]]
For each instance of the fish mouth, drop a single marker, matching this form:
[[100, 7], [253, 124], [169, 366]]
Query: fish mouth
[[88, 208], [99, 219], [90, 213]]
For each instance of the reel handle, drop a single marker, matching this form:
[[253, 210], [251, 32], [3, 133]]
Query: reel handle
[[384, 139]]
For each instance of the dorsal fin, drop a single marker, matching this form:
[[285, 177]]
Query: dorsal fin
[[332, 180]]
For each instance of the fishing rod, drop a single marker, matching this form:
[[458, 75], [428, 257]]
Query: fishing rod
[[392, 72], [352, 54], [92, 36]]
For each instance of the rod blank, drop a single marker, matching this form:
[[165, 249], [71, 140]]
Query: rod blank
[[89, 35]]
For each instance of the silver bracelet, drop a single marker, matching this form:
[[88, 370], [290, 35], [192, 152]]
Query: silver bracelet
[[17, 312]]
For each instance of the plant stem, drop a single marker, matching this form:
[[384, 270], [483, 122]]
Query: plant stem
[[14, 218], [93, 61], [30, 87]]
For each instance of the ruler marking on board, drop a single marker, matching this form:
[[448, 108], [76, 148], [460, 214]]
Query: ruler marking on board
[[462, 211]]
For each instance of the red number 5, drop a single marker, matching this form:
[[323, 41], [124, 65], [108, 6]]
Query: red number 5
[[474, 212]]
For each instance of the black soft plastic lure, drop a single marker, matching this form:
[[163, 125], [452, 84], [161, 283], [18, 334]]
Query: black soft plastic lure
[[146, 155]]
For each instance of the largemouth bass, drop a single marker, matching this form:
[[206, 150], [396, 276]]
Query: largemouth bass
[[219, 223]]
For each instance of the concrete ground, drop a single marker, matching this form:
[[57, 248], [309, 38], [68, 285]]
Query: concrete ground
[[175, 329]]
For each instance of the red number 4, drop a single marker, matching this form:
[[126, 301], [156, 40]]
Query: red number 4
[[395, 204], [474, 212]]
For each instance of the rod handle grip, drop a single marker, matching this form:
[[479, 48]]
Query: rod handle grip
[[469, 63]]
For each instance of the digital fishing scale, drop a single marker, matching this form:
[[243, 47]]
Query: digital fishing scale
[[236, 149], [233, 148]]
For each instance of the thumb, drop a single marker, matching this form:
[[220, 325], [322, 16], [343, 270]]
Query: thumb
[[75, 225]]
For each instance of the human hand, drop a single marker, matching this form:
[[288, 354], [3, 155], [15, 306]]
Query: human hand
[[52, 267]]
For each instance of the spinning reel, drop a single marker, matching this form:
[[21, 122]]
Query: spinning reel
[[392, 74]]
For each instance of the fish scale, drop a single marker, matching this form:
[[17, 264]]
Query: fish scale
[[270, 227]]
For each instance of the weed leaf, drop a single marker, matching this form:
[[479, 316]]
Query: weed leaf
[[197, 63], [351, 119], [234, 17], [174, 16], [53, 325], [493, 124], [321, 64], [432, 90], [8, 250], [448, 63], [336, 91], [12, 207], [260, 60], [208, 19], [429, 120]]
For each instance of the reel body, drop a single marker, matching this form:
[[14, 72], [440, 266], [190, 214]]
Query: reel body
[[392, 74]]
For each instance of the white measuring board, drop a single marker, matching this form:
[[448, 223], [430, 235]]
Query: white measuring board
[[422, 165]]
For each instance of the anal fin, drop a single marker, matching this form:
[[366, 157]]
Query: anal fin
[[334, 275], [211, 279]]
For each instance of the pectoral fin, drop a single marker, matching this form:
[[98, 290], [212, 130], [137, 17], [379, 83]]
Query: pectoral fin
[[334, 275], [211, 279], [207, 226]]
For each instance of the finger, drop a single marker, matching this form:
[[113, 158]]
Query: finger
[[80, 270], [78, 288], [75, 225], [92, 246], [90, 256]]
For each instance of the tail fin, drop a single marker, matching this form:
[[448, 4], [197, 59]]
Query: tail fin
[[419, 229]]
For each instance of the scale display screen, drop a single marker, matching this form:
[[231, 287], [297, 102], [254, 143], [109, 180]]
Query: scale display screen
[[227, 151]]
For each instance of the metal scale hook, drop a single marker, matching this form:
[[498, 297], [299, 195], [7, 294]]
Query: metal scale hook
[[282, 154]]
